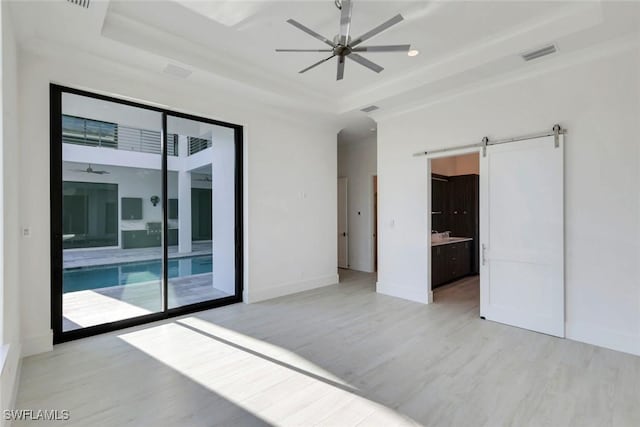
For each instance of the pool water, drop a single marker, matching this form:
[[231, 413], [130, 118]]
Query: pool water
[[104, 276]]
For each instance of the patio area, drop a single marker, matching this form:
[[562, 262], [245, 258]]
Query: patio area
[[97, 306], [89, 307], [74, 258]]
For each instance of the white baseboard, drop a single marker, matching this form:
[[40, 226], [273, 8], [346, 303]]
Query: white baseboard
[[38, 344], [592, 334], [404, 292], [10, 379], [256, 295]]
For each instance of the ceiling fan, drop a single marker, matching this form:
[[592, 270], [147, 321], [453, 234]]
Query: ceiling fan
[[91, 170], [207, 178], [343, 46]]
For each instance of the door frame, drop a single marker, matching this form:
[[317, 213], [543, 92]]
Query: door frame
[[55, 134], [374, 221], [346, 223], [443, 154]]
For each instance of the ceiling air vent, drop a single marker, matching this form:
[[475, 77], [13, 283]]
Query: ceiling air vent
[[370, 108], [538, 53], [81, 3]]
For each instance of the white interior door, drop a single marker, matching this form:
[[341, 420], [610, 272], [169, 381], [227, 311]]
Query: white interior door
[[522, 235], [343, 224]]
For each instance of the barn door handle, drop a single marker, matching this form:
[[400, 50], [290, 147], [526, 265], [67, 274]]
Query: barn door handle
[[484, 254]]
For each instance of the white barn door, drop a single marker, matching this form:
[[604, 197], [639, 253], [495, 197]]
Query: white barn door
[[522, 235]]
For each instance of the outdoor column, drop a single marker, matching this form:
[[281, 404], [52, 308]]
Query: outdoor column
[[223, 208], [184, 199]]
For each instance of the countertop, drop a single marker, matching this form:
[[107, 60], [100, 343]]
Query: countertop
[[451, 240]]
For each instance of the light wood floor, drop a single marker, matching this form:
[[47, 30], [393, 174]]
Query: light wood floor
[[341, 355]]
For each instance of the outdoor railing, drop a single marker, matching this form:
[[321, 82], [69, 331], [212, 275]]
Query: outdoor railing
[[93, 133], [198, 144]]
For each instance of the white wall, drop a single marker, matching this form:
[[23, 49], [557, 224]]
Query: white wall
[[357, 162], [598, 101], [289, 182], [292, 225], [9, 228]]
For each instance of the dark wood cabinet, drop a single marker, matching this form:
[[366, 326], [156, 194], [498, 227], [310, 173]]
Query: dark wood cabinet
[[462, 195], [450, 262], [439, 203], [438, 266], [459, 199], [454, 204]]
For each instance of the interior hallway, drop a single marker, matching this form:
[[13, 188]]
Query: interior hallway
[[340, 355]]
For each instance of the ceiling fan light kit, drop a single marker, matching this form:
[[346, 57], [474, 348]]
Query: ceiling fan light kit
[[343, 46]]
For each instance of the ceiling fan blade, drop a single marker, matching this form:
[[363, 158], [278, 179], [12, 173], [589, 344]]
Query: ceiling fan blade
[[310, 32], [377, 30], [388, 48], [304, 50], [340, 73], [315, 65], [364, 61], [345, 21], [101, 172]]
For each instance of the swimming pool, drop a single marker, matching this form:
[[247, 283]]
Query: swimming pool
[[104, 276]]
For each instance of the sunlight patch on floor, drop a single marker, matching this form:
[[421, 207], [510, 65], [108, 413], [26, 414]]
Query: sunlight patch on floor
[[272, 383], [264, 348]]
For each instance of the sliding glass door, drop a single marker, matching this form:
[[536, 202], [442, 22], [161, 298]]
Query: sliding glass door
[[111, 229], [201, 181], [145, 213]]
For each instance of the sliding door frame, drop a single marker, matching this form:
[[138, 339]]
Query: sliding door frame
[[56, 184]]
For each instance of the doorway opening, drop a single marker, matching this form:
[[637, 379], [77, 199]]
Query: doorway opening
[[356, 197], [518, 247], [455, 228]]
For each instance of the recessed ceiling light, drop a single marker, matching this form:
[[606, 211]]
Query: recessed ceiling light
[[413, 52]]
